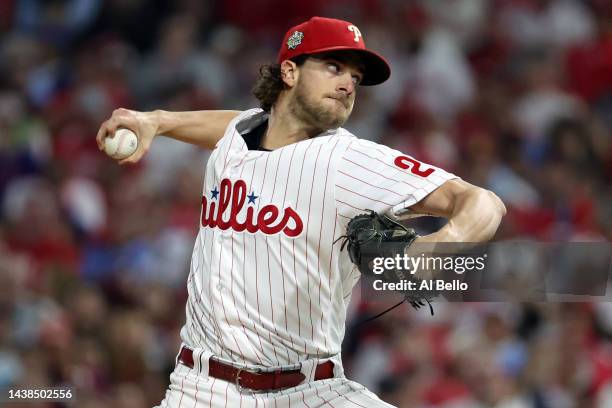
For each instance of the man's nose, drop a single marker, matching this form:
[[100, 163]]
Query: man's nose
[[346, 84]]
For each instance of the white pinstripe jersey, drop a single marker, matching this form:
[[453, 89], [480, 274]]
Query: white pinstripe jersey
[[266, 285]]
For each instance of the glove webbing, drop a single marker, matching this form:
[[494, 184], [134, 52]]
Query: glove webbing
[[416, 304]]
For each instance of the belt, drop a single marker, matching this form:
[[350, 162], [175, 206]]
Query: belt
[[257, 381]]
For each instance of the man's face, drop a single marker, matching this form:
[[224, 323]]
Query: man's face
[[324, 93]]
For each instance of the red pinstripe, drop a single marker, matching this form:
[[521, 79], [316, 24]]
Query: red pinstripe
[[297, 300], [212, 303], [257, 275], [232, 292], [347, 204], [331, 258], [379, 174], [314, 173], [369, 184], [219, 157], [257, 264], [235, 307], [229, 147], [212, 391], [280, 244], [281, 247], [319, 244], [268, 247], [191, 284], [221, 297], [196, 395], [378, 149], [220, 280], [321, 398], [375, 147], [423, 179], [304, 400], [199, 298], [263, 182], [348, 399], [256, 280], [226, 386], [182, 393], [365, 196]]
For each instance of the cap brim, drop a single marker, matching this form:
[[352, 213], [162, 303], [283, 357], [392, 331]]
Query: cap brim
[[376, 68]]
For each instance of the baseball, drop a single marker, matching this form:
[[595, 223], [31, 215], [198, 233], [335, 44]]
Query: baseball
[[122, 145]]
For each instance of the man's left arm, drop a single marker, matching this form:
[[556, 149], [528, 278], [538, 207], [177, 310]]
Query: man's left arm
[[473, 213]]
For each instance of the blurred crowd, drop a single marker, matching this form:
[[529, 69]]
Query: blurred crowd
[[511, 95]]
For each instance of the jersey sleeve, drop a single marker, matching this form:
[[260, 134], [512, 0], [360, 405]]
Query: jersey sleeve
[[370, 176], [232, 126]]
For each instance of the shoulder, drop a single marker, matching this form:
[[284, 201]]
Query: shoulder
[[248, 119], [242, 123], [343, 144], [339, 138], [355, 144]]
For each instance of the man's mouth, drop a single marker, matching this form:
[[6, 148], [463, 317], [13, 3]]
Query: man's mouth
[[342, 101]]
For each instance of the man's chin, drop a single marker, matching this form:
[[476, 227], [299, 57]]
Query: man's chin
[[330, 115], [335, 124]]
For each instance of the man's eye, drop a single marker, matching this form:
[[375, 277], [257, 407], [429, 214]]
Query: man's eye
[[333, 67], [356, 79]]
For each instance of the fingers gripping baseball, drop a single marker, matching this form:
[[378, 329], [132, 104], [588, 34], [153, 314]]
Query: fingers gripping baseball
[[143, 124]]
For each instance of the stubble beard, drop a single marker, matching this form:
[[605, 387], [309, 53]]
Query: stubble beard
[[314, 114]]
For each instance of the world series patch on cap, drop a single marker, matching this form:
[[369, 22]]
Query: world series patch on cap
[[320, 34]]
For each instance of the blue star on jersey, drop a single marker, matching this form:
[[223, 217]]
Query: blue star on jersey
[[252, 197], [214, 193]]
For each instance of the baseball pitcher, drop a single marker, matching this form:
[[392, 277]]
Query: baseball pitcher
[[269, 283]]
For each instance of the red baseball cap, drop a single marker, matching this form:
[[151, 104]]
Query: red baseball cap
[[320, 34]]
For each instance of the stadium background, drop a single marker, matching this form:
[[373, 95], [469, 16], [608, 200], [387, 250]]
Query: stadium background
[[512, 95]]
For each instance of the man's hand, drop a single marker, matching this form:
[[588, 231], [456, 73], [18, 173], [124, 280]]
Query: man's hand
[[201, 128], [144, 124], [373, 237]]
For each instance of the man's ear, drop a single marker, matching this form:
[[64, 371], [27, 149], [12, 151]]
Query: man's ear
[[289, 73]]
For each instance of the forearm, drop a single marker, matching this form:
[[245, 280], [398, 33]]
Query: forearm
[[475, 217], [201, 128]]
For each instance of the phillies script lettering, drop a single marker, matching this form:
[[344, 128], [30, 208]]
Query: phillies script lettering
[[266, 221]]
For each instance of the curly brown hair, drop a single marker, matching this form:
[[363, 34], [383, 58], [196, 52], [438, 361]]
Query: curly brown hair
[[270, 84]]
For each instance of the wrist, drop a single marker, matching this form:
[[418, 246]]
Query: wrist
[[158, 121]]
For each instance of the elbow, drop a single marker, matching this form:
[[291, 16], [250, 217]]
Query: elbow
[[497, 204], [490, 211], [491, 207], [488, 204], [496, 211]]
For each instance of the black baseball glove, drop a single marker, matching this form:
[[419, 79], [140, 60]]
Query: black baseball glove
[[370, 236]]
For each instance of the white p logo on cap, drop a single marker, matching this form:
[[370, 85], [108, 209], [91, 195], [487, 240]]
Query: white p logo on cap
[[355, 31]]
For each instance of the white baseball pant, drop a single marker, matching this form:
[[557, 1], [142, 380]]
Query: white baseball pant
[[193, 388]]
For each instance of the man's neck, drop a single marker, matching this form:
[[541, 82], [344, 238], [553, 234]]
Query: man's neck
[[284, 128]]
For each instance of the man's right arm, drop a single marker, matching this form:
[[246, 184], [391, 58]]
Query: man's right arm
[[201, 128]]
